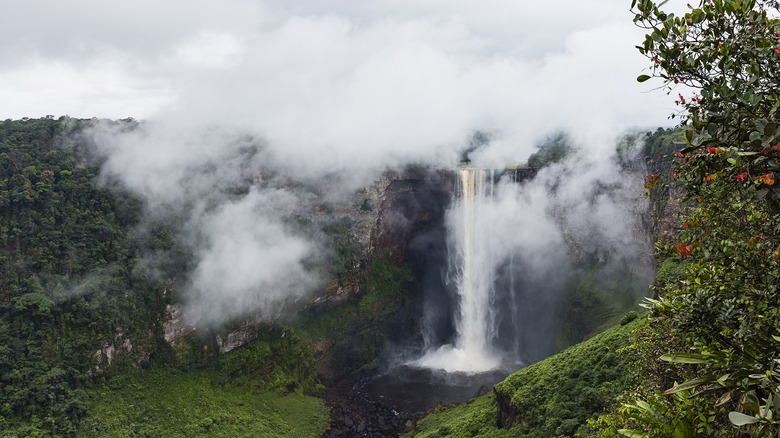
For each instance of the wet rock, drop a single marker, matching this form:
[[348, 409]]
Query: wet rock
[[355, 414]]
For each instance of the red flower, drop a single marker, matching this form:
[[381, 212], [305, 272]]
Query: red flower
[[679, 154], [740, 177], [768, 150], [651, 180], [684, 250], [777, 50], [777, 34], [768, 179]]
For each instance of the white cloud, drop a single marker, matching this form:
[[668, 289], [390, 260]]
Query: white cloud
[[495, 62], [208, 50], [249, 262], [327, 86], [39, 86]]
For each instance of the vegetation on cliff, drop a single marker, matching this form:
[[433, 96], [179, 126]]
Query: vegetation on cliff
[[349, 335], [72, 301], [81, 319], [266, 388], [553, 149]]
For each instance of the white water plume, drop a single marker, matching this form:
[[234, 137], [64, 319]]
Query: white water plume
[[520, 249], [472, 266]]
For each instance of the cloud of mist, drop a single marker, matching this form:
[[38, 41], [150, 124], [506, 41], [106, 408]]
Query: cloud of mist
[[236, 214], [592, 203], [533, 243], [274, 95], [249, 262]]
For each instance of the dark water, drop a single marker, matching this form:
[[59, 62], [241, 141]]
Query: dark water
[[416, 390]]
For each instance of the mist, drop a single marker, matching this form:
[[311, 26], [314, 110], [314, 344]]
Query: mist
[[576, 224], [245, 106]]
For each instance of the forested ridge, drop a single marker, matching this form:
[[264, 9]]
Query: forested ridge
[[82, 345], [69, 285]]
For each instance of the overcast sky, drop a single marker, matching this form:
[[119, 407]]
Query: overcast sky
[[329, 86], [401, 75]]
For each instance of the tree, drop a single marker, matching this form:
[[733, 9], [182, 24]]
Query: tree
[[726, 305], [727, 52]]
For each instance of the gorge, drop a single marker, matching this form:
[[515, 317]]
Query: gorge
[[528, 294], [530, 248]]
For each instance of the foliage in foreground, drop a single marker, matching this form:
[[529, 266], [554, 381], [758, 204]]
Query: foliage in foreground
[[725, 306], [554, 397]]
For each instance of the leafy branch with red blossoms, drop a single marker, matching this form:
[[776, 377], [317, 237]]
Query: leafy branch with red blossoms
[[724, 306]]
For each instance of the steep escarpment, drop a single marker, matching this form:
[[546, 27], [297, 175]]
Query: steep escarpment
[[81, 304], [96, 295]]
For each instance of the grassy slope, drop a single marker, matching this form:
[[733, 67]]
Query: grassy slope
[[167, 403], [266, 388], [553, 397]]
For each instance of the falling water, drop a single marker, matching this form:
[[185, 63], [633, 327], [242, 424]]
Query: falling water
[[471, 273]]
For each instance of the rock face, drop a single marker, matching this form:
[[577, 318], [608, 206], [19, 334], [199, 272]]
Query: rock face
[[412, 202], [355, 414], [175, 327], [505, 415], [665, 214], [384, 214], [103, 358], [236, 338]]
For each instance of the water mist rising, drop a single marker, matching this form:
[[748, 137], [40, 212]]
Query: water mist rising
[[471, 272]]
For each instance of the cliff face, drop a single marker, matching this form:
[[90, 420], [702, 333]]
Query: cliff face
[[380, 219], [412, 203]]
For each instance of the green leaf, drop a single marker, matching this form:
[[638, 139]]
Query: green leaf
[[642, 78], [769, 129], [725, 398], [683, 429], [645, 406], [631, 433], [740, 419], [689, 384], [684, 358]]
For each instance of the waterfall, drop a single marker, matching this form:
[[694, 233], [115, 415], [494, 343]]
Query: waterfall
[[471, 272], [473, 282]]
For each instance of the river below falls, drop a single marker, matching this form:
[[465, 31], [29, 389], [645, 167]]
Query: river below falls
[[418, 390], [382, 405]]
